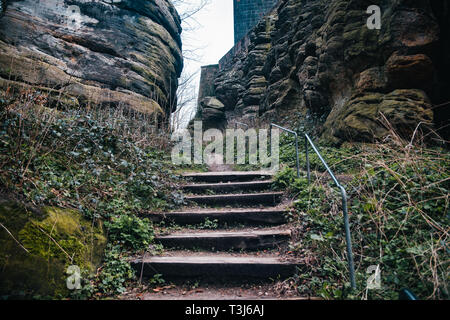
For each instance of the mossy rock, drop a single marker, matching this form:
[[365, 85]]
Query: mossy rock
[[52, 239], [360, 118]]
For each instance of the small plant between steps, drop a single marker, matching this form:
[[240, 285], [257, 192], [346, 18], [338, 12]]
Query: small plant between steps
[[130, 231], [209, 224]]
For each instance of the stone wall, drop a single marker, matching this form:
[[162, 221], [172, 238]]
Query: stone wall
[[314, 64], [247, 13], [207, 76], [123, 53]]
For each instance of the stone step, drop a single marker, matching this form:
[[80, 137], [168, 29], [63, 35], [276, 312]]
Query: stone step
[[216, 266], [222, 240], [251, 216], [226, 187], [226, 176], [253, 199]]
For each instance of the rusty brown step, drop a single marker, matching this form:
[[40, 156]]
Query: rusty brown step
[[226, 240], [225, 187], [252, 199], [250, 216]]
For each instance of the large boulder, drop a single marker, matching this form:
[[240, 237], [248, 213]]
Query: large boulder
[[115, 53], [368, 116]]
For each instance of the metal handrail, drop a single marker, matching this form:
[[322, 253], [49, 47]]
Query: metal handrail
[[241, 123], [344, 206], [341, 188], [296, 144], [406, 294]]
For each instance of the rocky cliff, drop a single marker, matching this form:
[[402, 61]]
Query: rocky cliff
[[316, 63], [113, 52]]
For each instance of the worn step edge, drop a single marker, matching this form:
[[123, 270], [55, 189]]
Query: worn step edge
[[245, 198], [217, 266], [240, 240], [270, 216], [228, 186]]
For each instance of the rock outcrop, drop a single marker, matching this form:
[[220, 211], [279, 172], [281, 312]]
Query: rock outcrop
[[212, 113], [120, 53], [316, 63]]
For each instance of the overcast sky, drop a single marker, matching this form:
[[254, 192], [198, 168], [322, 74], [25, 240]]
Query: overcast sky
[[213, 35], [215, 30]]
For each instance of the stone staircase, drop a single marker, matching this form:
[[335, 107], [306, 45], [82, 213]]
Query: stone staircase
[[241, 199]]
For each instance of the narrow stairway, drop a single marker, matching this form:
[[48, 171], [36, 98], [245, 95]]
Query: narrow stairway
[[249, 228]]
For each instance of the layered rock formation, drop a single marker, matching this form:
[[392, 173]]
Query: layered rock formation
[[317, 62], [115, 52], [212, 112]]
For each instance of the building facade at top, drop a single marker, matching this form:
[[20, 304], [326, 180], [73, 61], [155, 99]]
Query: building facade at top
[[247, 13]]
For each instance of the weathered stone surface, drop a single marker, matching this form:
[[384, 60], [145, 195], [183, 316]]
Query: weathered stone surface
[[372, 79], [258, 216], [363, 117], [212, 113], [120, 54], [216, 266], [240, 240], [250, 199], [211, 102], [312, 63], [409, 71]]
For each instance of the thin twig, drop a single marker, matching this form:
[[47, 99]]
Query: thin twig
[[14, 238]]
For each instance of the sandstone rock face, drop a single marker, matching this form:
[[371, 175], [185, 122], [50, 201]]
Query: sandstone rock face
[[358, 118], [316, 64], [212, 113], [115, 53]]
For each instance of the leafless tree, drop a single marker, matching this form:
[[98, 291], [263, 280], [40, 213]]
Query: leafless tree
[[187, 88], [187, 98]]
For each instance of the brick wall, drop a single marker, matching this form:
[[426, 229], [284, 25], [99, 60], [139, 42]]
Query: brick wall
[[247, 13]]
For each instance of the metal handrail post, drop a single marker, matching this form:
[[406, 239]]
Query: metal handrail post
[[297, 155], [351, 265], [296, 144], [308, 170]]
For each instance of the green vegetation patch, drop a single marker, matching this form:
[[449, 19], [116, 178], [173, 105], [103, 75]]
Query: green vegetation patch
[[399, 217], [37, 248]]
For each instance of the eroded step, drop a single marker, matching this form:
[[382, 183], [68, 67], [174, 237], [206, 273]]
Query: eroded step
[[252, 199], [227, 176], [269, 216], [223, 240], [216, 266], [225, 187]]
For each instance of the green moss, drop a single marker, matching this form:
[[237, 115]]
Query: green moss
[[53, 240], [359, 119]]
